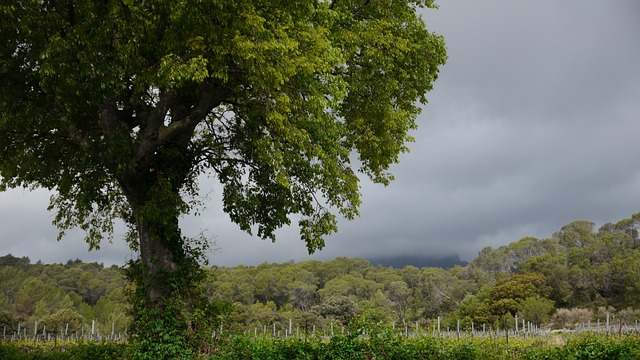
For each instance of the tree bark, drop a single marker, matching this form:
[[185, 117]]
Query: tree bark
[[157, 258]]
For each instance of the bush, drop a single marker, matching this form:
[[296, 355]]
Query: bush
[[570, 318], [79, 351]]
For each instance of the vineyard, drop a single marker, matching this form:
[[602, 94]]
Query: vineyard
[[361, 339], [364, 342]]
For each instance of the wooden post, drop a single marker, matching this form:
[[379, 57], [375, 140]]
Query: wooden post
[[620, 320]]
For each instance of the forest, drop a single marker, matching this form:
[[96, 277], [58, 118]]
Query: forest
[[579, 274]]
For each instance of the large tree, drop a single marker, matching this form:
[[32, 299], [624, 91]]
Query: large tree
[[120, 106]]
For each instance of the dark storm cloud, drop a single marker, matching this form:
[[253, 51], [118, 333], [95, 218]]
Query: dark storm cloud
[[533, 123]]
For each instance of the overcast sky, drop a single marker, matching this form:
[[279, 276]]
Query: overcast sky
[[533, 123]]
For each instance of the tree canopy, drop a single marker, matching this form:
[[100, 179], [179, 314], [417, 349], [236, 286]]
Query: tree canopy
[[119, 107]]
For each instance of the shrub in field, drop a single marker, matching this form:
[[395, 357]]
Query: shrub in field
[[536, 309], [601, 312], [569, 318], [628, 315], [67, 319]]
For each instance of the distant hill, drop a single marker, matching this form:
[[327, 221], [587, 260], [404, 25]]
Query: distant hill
[[398, 262]]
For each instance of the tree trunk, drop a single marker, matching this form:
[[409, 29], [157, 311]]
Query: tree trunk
[[157, 258], [166, 295]]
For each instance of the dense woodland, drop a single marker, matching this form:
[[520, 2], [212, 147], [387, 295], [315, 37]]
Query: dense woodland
[[578, 275]]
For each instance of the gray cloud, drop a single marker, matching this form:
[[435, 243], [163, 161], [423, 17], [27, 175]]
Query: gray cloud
[[533, 123]]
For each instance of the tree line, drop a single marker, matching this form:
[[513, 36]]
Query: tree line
[[577, 275]]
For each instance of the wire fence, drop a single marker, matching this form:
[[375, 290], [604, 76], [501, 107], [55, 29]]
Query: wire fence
[[37, 332], [284, 329]]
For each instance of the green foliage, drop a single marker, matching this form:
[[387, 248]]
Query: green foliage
[[78, 351], [364, 341], [272, 97], [314, 293], [179, 324], [536, 309], [588, 347], [473, 310], [383, 344]]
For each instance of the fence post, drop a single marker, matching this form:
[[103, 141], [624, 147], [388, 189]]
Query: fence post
[[620, 320]]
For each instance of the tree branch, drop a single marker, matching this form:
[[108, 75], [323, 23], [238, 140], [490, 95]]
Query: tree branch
[[149, 131], [109, 118], [211, 96]]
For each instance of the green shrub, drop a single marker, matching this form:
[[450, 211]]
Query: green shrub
[[79, 351]]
